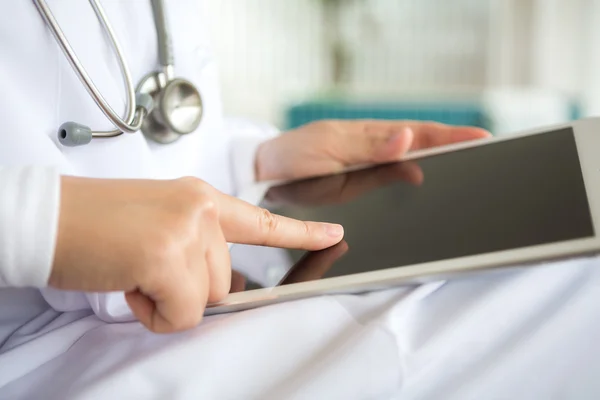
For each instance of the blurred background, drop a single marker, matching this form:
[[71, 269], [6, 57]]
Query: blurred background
[[505, 65]]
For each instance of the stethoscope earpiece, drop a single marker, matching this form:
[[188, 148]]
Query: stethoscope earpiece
[[72, 134]]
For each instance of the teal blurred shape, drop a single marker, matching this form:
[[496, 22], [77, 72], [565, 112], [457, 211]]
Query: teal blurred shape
[[470, 114], [447, 112]]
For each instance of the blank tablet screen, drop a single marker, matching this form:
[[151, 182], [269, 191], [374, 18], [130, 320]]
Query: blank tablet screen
[[499, 196]]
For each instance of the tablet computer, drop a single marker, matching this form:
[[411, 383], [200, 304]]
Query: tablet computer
[[470, 207]]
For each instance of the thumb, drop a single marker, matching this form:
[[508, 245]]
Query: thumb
[[393, 146], [377, 145]]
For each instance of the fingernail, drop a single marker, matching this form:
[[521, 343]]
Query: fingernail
[[334, 230], [398, 135], [395, 136]]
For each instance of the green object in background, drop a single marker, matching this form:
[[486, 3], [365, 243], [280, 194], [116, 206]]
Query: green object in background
[[451, 113], [448, 113]]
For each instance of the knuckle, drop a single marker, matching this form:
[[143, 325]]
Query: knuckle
[[193, 188], [198, 198], [192, 181], [306, 231], [209, 209], [267, 222]]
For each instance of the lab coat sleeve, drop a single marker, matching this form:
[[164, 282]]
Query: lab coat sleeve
[[29, 207], [246, 138]]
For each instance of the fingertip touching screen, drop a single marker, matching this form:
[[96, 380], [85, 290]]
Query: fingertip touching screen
[[499, 196]]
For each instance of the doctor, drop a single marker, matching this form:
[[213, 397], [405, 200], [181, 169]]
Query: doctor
[[98, 241], [118, 214]]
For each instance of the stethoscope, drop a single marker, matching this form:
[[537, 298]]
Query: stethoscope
[[163, 107]]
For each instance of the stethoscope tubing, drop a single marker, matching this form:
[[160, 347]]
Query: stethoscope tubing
[[133, 120], [163, 126]]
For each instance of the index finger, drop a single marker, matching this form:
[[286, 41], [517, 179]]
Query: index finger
[[245, 223]]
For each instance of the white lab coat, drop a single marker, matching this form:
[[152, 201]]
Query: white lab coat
[[519, 334]]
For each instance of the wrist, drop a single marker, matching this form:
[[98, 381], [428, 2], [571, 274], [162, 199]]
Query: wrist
[[271, 162], [59, 259], [259, 165]]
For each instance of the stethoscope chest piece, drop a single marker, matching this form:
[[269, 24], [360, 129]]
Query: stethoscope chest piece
[[179, 107], [163, 107]]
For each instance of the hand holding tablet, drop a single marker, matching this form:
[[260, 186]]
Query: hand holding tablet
[[463, 208]]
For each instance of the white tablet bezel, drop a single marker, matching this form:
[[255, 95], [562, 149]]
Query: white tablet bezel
[[587, 138]]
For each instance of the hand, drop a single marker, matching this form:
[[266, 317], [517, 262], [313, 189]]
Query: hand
[[327, 147], [164, 243], [341, 188]]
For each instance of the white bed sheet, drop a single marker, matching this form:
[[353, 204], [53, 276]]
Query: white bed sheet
[[523, 334]]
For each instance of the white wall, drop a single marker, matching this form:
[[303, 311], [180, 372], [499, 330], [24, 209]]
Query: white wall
[[544, 43], [272, 51], [422, 44], [509, 45], [591, 61], [268, 50]]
